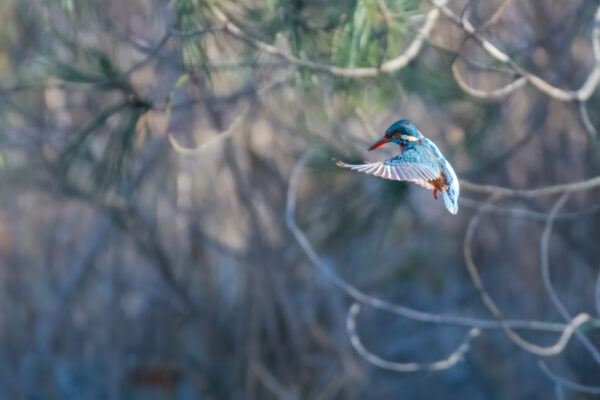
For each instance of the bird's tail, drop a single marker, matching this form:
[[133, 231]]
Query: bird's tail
[[451, 200], [451, 195]]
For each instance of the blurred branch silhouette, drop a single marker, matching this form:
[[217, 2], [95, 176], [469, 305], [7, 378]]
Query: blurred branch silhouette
[[449, 362], [545, 351], [507, 326], [582, 94], [566, 383], [388, 66], [546, 274], [160, 236], [529, 193]]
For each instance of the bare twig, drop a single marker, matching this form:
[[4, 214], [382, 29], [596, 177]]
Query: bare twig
[[585, 118], [491, 95], [195, 32], [496, 16], [597, 294], [528, 193], [234, 127], [545, 351], [268, 380], [581, 94], [385, 11], [487, 95], [544, 253], [567, 383], [532, 215], [559, 390], [126, 216], [456, 356], [151, 55], [91, 245]]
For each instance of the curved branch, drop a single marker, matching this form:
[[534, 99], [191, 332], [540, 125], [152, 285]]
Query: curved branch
[[386, 13], [496, 16], [543, 191], [585, 118], [532, 215], [223, 135], [389, 66], [544, 351], [456, 356], [566, 383], [380, 304], [545, 265], [582, 94], [413, 49], [597, 294], [495, 94]]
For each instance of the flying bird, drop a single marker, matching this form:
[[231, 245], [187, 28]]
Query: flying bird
[[420, 162]]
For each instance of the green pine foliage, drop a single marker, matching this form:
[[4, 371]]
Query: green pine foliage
[[189, 22]]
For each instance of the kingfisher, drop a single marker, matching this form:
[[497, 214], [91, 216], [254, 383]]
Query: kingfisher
[[420, 162]]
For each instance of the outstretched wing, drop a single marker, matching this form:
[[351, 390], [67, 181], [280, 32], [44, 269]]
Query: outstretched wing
[[412, 166]]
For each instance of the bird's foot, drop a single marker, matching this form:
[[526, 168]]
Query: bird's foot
[[435, 194]]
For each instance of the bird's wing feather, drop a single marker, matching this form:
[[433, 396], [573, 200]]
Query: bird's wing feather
[[411, 166], [450, 195]]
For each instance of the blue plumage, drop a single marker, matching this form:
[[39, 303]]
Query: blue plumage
[[404, 126], [420, 162]]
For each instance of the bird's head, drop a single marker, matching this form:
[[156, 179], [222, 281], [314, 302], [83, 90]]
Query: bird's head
[[400, 132]]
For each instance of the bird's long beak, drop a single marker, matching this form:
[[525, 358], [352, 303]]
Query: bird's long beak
[[379, 143]]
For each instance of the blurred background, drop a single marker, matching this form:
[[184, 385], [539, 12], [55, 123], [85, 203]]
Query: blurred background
[[146, 150]]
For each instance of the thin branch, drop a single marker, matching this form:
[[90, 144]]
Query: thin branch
[[413, 49], [464, 15], [219, 137], [559, 390], [380, 304], [268, 380], [597, 294], [456, 356], [529, 193], [566, 383], [545, 264], [385, 11], [582, 94], [389, 66], [585, 118], [196, 32], [544, 351], [493, 95], [49, 323], [496, 16], [151, 55], [533, 215]]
